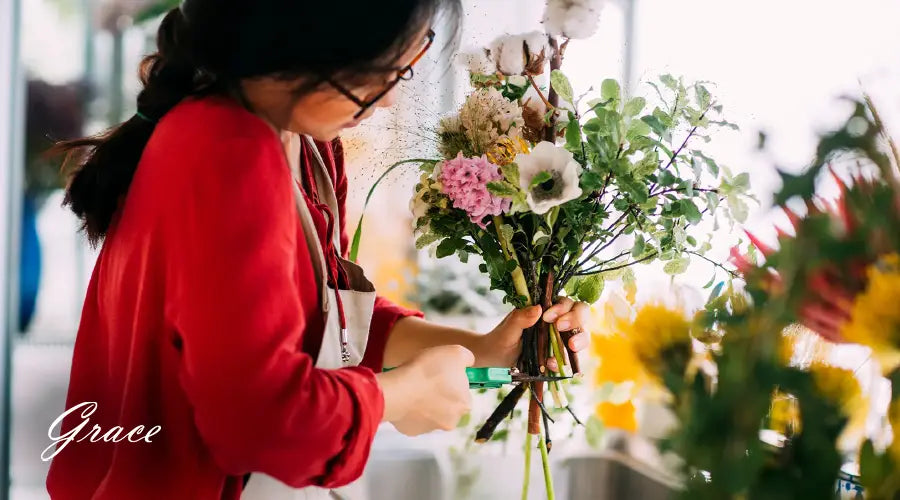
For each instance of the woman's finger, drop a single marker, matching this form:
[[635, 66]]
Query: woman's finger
[[577, 317], [580, 341], [552, 365], [564, 305]]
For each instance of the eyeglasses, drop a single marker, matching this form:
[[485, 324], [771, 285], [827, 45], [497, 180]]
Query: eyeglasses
[[403, 74]]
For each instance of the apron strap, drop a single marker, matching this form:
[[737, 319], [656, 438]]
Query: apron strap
[[325, 188]]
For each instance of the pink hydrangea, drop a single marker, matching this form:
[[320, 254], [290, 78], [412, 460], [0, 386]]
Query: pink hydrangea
[[464, 181]]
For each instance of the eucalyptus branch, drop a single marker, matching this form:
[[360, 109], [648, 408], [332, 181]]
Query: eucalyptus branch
[[716, 264], [603, 247], [593, 253], [615, 268], [676, 190], [602, 263]]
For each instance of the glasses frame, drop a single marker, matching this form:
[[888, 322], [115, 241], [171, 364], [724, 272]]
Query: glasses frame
[[405, 73]]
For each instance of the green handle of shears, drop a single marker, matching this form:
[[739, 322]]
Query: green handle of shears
[[485, 378]]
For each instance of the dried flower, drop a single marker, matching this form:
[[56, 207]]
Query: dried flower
[[533, 111], [564, 173], [478, 62], [486, 116], [505, 150], [464, 181], [572, 18]]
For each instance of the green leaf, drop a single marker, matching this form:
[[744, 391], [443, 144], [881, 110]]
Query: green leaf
[[676, 266], [741, 183], [712, 201], [464, 420], [593, 431], [540, 237], [425, 240], [573, 134], [463, 256], [502, 188], [506, 231], [610, 90], [539, 179], [669, 81], [589, 289], [655, 124], [634, 106], [500, 435], [716, 291], [637, 128], [591, 181], [690, 211], [510, 173], [666, 178], [560, 83], [448, 247], [704, 99], [646, 166], [639, 244], [739, 209]]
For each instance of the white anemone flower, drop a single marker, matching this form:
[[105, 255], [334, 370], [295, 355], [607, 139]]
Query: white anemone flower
[[564, 173], [573, 18]]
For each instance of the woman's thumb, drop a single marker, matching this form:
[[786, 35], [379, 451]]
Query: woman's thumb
[[524, 318]]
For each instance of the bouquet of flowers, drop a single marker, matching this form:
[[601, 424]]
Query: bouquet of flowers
[[558, 193], [760, 424]]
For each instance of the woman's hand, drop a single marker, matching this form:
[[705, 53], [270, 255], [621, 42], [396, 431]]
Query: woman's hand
[[430, 392], [501, 347]]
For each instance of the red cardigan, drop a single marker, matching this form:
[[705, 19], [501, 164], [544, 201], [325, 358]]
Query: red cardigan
[[202, 317]]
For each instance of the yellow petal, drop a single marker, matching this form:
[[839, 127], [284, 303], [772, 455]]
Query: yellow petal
[[618, 416]]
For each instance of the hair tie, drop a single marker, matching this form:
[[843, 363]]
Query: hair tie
[[144, 117]]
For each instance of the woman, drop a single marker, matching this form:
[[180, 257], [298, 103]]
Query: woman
[[212, 309]]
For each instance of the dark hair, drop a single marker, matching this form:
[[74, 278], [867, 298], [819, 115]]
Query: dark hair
[[208, 46]]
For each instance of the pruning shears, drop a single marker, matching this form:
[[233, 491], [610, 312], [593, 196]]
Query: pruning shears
[[494, 378]]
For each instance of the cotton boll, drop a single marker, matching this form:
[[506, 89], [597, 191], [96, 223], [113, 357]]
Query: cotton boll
[[508, 52], [572, 18], [538, 51]]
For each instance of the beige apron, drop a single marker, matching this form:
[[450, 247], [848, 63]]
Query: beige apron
[[340, 347]]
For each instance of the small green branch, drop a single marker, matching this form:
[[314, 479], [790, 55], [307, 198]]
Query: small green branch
[[527, 481], [732, 273], [545, 461], [518, 276], [588, 272]]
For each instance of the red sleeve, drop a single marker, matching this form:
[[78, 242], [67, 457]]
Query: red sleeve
[[259, 403], [386, 313]]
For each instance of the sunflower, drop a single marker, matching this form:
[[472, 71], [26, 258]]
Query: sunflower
[[875, 317], [618, 362], [655, 330], [838, 385]]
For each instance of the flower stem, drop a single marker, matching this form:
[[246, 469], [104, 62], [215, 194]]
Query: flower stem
[[558, 347], [545, 461], [525, 484], [518, 276]]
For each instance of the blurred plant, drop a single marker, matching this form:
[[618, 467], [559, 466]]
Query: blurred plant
[[53, 112], [453, 290]]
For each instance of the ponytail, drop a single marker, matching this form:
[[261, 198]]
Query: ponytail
[[100, 168]]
